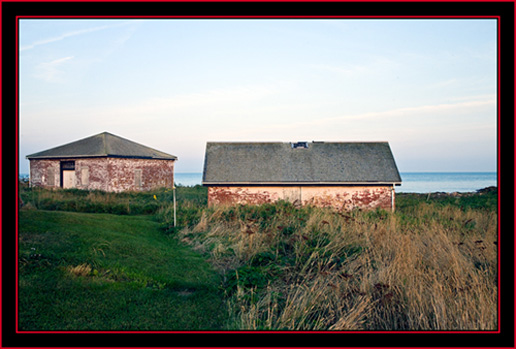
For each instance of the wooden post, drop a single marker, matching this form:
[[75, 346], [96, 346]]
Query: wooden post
[[174, 188]]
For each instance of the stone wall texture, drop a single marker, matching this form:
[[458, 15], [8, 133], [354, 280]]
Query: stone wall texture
[[44, 173], [106, 173], [338, 197]]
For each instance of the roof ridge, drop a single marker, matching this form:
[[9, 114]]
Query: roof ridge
[[103, 144], [289, 142], [254, 162]]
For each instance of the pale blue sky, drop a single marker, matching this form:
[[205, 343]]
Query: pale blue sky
[[428, 87]]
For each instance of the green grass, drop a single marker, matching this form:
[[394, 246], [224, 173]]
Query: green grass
[[485, 199], [97, 201], [81, 271], [90, 260]]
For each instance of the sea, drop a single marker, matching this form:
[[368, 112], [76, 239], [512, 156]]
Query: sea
[[412, 182]]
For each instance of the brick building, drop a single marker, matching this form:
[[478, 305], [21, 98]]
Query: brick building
[[104, 162], [328, 174]]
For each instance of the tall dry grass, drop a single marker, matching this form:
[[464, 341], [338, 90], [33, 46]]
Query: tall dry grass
[[429, 268]]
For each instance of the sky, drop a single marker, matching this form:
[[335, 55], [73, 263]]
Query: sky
[[428, 86]]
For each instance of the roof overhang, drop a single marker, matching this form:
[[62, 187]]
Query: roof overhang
[[301, 183], [97, 156]]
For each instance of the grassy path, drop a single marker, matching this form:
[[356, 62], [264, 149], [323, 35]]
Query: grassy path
[[83, 271]]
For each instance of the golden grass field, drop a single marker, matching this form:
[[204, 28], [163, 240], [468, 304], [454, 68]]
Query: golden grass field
[[430, 267]]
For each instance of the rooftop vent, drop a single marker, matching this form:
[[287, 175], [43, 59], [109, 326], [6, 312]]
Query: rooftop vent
[[299, 145]]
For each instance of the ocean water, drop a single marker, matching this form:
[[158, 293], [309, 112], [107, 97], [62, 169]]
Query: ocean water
[[448, 182], [188, 179], [412, 182]]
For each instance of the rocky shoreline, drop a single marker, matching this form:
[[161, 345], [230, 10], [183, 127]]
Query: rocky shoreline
[[483, 191]]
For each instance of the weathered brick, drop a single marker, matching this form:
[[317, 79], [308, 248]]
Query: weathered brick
[[106, 173], [338, 197]]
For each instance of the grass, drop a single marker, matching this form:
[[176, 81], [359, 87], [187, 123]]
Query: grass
[[431, 265], [80, 271], [96, 201]]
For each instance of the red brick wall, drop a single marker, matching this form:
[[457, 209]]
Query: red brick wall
[[338, 197], [97, 173], [108, 174], [39, 173], [154, 174]]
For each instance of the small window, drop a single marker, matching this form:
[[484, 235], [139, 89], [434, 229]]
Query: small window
[[68, 165], [85, 176], [138, 178], [298, 145]]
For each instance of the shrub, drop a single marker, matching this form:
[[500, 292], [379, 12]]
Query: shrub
[[189, 201]]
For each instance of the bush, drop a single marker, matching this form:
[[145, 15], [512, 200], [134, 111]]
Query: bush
[[189, 201]]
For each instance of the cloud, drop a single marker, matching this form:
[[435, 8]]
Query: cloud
[[222, 101], [69, 34], [373, 65], [50, 71], [424, 110], [445, 83], [400, 123]]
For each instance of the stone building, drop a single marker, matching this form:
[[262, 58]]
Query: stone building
[[104, 162], [328, 174]]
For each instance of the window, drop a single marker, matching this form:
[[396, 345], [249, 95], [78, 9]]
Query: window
[[68, 165], [297, 145]]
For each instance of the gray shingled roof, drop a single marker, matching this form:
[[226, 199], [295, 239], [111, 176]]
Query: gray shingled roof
[[280, 163], [102, 145]]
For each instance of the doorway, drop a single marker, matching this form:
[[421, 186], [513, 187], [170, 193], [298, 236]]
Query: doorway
[[68, 179], [67, 174]]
